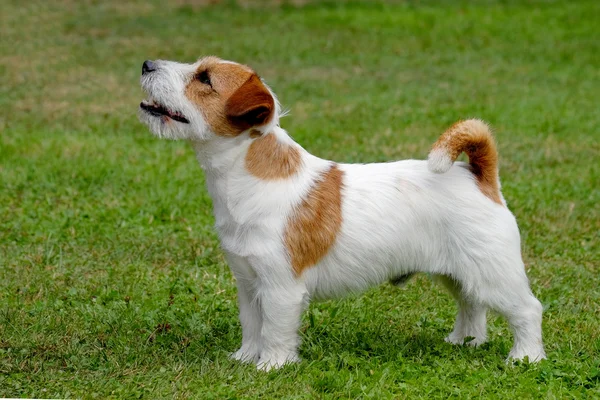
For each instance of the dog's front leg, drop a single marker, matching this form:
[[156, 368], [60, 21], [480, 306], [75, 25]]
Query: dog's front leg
[[249, 308], [251, 321], [281, 309]]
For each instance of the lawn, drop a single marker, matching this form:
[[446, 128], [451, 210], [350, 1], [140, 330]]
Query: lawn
[[112, 283]]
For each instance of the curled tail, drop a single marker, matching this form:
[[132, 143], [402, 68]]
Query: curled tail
[[473, 137]]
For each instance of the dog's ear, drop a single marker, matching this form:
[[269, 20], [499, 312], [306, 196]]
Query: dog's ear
[[251, 105]]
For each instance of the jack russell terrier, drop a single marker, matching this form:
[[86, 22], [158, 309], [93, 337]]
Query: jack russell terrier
[[295, 227]]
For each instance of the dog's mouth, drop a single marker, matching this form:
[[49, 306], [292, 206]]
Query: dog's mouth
[[158, 110]]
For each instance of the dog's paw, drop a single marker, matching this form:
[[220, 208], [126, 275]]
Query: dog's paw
[[246, 354], [465, 340], [532, 355], [276, 361]]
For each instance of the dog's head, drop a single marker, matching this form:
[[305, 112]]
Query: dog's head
[[207, 99]]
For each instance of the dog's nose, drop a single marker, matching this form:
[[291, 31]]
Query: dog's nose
[[148, 66]]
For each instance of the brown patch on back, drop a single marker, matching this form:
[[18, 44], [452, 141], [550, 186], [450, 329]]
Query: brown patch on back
[[236, 101], [475, 139], [269, 159], [316, 222]]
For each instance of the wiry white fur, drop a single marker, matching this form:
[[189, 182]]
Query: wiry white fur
[[439, 161], [398, 218]]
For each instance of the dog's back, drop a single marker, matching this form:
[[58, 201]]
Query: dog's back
[[400, 218]]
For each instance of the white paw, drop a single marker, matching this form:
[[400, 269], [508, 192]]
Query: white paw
[[462, 339], [245, 354], [267, 363], [534, 355]]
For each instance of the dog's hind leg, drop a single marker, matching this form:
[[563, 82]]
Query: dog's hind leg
[[526, 323], [503, 287], [471, 324], [514, 300]]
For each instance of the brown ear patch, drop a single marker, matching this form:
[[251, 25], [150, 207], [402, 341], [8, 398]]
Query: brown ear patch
[[250, 105], [269, 159], [315, 223], [234, 101]]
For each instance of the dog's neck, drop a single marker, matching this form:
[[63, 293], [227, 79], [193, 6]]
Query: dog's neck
[[221, 154], [218, 155], [271, 156], [249, 178]]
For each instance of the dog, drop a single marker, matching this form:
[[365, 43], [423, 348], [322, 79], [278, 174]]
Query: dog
[[295, 227]]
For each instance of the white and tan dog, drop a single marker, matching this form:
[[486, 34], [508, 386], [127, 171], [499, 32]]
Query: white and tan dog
[[295, 227]]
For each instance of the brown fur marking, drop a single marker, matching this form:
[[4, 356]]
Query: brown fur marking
[[316, 222], [269, 159], [254, 133], [475, 139], [250, 105], [236, 101]]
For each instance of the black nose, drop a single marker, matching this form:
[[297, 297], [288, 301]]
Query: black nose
[[148, 66]]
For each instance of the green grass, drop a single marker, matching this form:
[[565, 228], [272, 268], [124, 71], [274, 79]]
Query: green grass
[[112, 284]]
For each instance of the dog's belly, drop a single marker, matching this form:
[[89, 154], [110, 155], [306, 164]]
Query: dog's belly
[[355, 264]]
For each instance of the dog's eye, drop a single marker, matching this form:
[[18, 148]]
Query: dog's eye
[[204, 78]]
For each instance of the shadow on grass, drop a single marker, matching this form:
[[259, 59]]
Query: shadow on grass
[[390, 345]]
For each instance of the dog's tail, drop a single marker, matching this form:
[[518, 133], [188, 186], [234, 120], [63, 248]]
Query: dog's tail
[[473, 137]]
